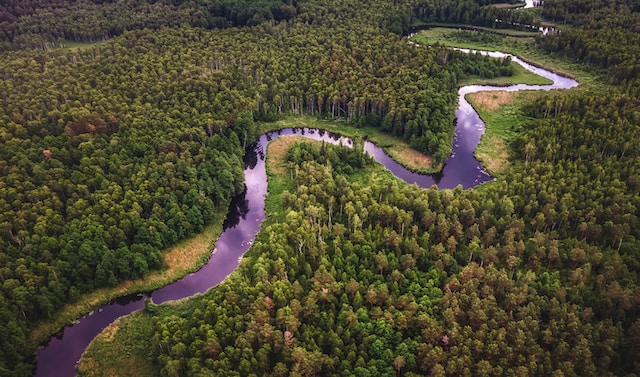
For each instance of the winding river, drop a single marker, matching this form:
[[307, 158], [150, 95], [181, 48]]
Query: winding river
[[60, 355]]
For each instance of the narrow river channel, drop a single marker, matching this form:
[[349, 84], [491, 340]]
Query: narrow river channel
[[59, 356]]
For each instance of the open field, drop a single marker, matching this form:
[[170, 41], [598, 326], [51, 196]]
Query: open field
[[277, 153], [497, 32], [508, 5], [121, 349]]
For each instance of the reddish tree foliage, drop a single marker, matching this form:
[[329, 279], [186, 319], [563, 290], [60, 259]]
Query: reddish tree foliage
[[92, 123], [269, 303], [288, 337]]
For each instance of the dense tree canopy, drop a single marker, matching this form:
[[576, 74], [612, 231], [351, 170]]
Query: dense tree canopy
[[110, 152], [378, 278], [606, 36], [474, 13], [536, 275], [44, 24]]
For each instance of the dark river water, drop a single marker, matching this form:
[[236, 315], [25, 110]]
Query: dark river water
[[59, 356]]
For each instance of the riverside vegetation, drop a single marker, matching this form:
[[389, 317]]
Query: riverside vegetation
[[110, 153]]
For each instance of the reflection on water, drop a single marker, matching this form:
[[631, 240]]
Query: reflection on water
[[250, 157], [238, 209], [128, 299]]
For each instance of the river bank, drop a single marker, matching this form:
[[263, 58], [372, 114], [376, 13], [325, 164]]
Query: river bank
[[590, 78], [501, 111], [394, 146], [250, 212], [179, 260]]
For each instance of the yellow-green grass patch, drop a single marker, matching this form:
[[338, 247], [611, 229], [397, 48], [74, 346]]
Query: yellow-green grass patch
[[508, 5], [519, 34], [410, 157], [122, 349], [520, 76], [501, 112], [495, 158], [277, 152], [490, 101]]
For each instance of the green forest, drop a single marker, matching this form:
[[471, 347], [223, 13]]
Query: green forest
[[122, 131]]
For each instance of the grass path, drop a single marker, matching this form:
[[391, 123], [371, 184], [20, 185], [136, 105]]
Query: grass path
[[498, 32]]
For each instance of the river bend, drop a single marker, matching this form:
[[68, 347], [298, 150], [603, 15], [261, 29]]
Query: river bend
[[59, 356]]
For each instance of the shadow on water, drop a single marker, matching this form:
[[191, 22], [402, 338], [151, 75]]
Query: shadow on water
[[250, 157], [128, 299], [238, 209]]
